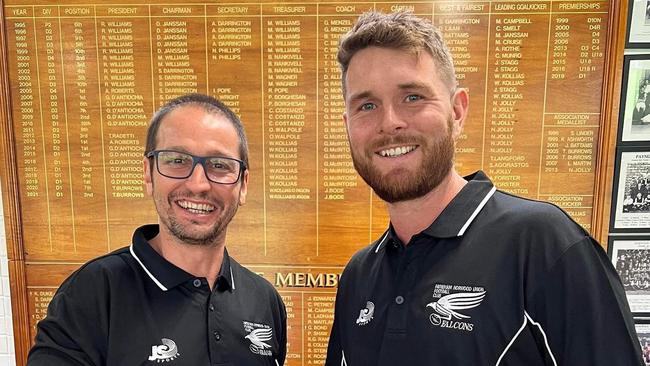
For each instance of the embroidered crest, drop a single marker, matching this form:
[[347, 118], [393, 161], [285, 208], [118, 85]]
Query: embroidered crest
[[365, 315], [259, 335], [167, 351], [451, 300]]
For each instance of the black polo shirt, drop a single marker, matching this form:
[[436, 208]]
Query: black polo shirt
[[133, 307], [495, 280]]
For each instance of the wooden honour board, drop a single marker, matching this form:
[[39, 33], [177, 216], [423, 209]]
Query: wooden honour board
[[82, 78]]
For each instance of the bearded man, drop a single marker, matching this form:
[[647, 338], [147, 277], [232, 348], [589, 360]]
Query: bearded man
[[173, 296], [465, 274]]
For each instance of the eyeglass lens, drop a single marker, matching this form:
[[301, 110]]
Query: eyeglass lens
[[175, 164]]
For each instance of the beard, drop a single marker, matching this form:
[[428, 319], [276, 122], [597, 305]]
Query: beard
[[186, 234], [401, 184]]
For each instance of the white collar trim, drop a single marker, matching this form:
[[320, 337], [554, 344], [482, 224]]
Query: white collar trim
[[154, 279], [381, 242], [476, 211], [232, 279]]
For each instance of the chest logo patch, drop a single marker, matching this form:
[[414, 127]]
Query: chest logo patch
[[452, 301], [258, 335], [365, 315], [167, 351]]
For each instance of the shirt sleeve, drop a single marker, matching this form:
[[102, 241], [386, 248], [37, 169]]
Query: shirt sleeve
[[73, 331], [335, 353], [581, 312], [334, 349], [282, 352]]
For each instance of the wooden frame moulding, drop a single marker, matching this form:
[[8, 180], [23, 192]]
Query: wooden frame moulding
[[11, 203], [609, 120]]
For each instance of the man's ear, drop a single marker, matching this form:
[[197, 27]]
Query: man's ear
[[244, 188], [460, 107], [345, 123], [148, 175]]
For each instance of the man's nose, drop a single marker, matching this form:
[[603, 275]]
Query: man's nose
[[391, 121], [198, 180]]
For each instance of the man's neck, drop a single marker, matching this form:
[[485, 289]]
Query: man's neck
[[198, 260], [411, 217]]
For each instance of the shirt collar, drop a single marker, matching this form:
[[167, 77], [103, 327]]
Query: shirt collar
[[459, 214], [226, 279], [162, 272]]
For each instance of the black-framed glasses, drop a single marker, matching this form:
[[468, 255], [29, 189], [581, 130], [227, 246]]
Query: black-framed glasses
[[180, 165]]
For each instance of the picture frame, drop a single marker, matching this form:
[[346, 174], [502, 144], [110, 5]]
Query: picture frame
[[631, 191], [638, 24], [642, 328], [634, 114], [630, 255]]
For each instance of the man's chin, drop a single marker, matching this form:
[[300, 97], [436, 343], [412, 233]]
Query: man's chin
[[394, 196], [403, 186], [196, 236]]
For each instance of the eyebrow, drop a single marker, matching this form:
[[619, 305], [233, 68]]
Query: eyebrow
[[184, 150], [414, 85], [359, 96]]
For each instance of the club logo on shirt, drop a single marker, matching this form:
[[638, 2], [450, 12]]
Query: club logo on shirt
[[365, 315], [167, 351], [450, 301], [258, 335]]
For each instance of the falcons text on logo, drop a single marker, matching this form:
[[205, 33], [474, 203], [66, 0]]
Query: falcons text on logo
[[451, 303]]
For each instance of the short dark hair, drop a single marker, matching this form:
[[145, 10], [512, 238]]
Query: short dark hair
[[400, 31], [209, 105]]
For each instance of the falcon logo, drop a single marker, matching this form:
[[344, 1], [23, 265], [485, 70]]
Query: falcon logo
[[259, 335], [365, 315], [165, 352], [446, 309]]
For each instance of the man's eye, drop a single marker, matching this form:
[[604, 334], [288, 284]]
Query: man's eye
[[413, 97], [221, 165], [367, 107], [176, 161]]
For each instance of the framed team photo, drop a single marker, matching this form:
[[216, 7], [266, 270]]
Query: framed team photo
[[638, 24], [634, 115], [643, 332], [630, 255], [631, 193]]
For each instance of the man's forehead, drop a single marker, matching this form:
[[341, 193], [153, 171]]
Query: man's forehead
[[195, 115]]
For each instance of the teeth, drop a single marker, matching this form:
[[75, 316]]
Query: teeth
[[396, 151], [196, 207]]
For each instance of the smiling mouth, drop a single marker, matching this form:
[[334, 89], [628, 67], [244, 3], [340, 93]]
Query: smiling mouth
[[197, 208], [396, 151]]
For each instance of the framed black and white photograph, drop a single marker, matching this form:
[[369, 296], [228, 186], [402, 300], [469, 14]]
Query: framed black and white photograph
[[638, 24], [643, 332], [634, 116], [631, 192], [630, 256]]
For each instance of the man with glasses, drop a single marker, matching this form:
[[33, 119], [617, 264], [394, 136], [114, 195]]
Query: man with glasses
[[174, 296]]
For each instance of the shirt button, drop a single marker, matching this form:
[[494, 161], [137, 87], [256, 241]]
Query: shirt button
[[399, 300], [197, 283], [211, 307], [217, 336]]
